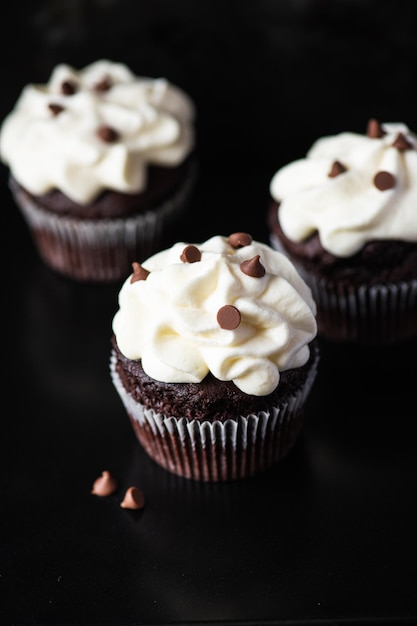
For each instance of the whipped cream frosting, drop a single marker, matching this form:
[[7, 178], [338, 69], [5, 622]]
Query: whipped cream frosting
[[94, 129], [231, 306], [351, 189]]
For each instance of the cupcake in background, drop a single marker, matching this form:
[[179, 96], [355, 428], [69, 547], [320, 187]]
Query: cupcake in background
[[214, 354], [102, 164], [346, 216]]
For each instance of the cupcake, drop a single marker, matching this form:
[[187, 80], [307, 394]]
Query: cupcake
[[346, 216], [102, 164], [214, 354]]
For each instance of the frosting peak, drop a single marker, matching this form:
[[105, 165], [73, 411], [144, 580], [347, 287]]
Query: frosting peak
[[239, 311], [94, 129], [352, 189]]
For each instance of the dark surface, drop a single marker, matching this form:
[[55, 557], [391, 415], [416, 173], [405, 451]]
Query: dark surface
[[327, 537]]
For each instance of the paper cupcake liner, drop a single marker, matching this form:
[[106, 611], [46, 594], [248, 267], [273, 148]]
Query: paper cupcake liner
[[376, 314], [369, 314], [101, 250], [217, 451]]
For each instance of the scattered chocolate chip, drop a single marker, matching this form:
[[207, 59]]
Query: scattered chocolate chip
[[190, 254], [107, 134], [374, 129], [139, 272], [253, 267], [104, 85], [56, 109], [384, 180], [69, 88], [105, 485], [133, 499], [239, 240], [336, 169], [228, 317], [401, 143]]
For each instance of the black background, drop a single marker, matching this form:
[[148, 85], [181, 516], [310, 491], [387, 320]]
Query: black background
[[329, 535]]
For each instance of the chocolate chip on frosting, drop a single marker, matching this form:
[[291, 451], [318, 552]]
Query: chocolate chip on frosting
[[228, 317], [336, 169], [139, 272], [55, 109], [253, 267], [384, 180], [69, 88], [401, 143], [374, 129], [133, 499], [104, 84], [107, 134], [104, 485], [190, 254], [239, 240]]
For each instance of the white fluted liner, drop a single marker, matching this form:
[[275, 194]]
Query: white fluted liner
[[100, 250], [217, 451], [377, 314]]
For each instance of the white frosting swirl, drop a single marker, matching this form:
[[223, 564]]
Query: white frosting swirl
[[153, 120], [348, 210], [169, 320]]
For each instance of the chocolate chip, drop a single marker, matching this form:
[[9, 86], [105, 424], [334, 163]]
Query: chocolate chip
[[139, 272], [105, 485], [69, 88], [228, 317], [401, 143], [374, 129], [107, 134], [384, 180], [133, 499], [56, 109], [190, 254], [239, 240], [104, 85], [253, 267], [336, 169]]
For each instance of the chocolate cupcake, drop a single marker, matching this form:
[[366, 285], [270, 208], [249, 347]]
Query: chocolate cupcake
[[346, 216], [214, 354], [102, 164]]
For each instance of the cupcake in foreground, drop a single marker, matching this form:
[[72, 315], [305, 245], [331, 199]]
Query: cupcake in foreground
[[346, 216], [214, 354], [102, 164]]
